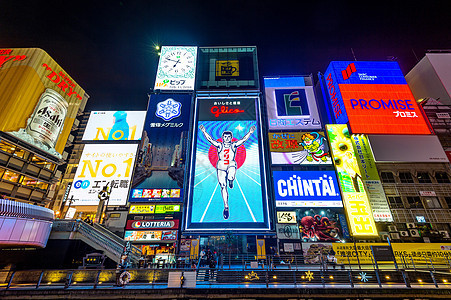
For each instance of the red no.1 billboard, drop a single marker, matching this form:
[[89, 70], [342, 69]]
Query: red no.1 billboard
[[374, 98]]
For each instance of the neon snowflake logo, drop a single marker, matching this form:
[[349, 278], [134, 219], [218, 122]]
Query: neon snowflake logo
[[364, 277], [168, 109], [309, 275]]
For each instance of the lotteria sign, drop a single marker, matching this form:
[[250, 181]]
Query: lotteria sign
[[374, 98], [152, 224], [306, 189]]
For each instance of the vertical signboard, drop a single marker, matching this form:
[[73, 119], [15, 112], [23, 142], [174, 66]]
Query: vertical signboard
[[160, 169], [355, 198], [370, 178], [374, 97], [176, 69], [103, 168], [291, 103], [39, 101], [227, 189]]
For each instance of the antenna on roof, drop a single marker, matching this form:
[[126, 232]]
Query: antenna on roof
[[353, 54]]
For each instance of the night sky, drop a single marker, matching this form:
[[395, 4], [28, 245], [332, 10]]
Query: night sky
[[108, 46]]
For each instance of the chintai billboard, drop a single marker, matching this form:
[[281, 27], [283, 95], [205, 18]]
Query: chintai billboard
[[227, 189]]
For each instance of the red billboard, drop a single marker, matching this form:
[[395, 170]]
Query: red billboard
[[152, 224], [382, 109]]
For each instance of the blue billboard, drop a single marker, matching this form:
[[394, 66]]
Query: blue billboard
[[227, 189], [162, 154], [306, 189]]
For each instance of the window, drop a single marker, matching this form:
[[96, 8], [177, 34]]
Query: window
[[387, 177], [10, 176], [423, 177], [406, 177], [414, 202], [432, 202], [395, 202], [442, 177], [448, 201]]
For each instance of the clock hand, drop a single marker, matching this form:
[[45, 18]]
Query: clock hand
[[176, 63], [170, 59]]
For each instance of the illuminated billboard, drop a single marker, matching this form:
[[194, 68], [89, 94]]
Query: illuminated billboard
[[150, 235], [114, 125], [355, 198], [152, 224], [299, 148], [103, 167], [154, 209], [374, 98], [39, 101], [176, 69], [291, 104], [306, 189], [227, 189], [370, 178], [163, 150]]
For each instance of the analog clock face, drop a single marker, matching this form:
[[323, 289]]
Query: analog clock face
[[177, 62]]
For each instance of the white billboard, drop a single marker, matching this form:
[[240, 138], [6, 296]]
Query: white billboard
[[176, 69], [114, 126], [104, 168], [407, 148]]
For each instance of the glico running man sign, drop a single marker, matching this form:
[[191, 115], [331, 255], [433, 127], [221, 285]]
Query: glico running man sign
[[227, 189]]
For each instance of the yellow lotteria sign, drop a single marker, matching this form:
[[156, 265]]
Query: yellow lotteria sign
[[355, 198]]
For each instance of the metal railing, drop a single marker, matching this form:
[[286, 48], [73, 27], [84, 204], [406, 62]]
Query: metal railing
[[99, 235], [9, 208]]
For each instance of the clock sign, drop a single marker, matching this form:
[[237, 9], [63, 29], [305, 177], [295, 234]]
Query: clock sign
[[176, 69]]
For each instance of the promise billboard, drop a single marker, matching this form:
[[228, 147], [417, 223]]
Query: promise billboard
[[227, 189], [39, 101], [374, 98]]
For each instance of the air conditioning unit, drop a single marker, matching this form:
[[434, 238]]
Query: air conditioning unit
[[414, 233], [384, 235], [411, 225], [404, 233], [394, 236], [392, 228], [444, 233]]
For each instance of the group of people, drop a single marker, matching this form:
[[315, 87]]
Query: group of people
[[89, 221], [208, 258]]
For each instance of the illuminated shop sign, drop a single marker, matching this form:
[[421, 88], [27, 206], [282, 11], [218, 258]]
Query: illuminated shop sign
[[374, 97], [287, 231], [370, 178], [152, 224], [227, 172], [103, 169], [286, 217], [153, 209], [176, 69], [150, 235], [306, 189], [355, 198], [299, 148], [227, 68], [114, 125], [291, 103]]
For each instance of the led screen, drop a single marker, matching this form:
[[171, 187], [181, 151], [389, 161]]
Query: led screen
[[299, 148], [104, 167], [355, 198], [374, 97], [227, 177], [291, 103], [306, 188], [150, 235], [114, 125], [160, 169]]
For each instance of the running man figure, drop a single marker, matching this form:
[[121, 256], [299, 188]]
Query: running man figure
[[226, 165]]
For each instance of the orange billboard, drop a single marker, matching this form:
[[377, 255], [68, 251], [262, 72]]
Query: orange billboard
[[38, 99]]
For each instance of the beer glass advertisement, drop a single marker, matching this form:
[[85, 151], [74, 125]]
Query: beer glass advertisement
[[114, 126], [160, 169], [104, 170], [299, 148], [227, 171], [291, 103], [44, 98], [306, 188]]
